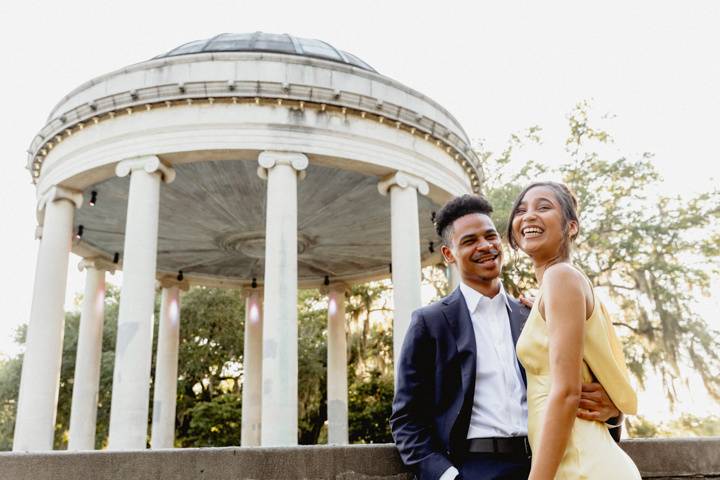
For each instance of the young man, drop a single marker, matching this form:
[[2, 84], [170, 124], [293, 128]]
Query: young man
[[460, 405]]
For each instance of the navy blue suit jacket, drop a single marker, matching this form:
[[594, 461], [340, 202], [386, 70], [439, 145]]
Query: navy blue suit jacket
[[435, 384]]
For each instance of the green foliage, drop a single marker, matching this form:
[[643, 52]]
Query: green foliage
[[62, 420], [686, 425], [312, 366], [370, 361], [9, 386], [209, 366], [214, 423], [650, 253], [370, 405]]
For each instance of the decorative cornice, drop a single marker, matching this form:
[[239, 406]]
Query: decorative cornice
[[150, 164], [269, 159], [292, 96], [403, 180], [97, 263]]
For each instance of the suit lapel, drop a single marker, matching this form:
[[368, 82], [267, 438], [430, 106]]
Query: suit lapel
[[458, 318], [518, 314]]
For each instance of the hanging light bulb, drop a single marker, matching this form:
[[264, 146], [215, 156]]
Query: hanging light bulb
[[79, 232], [93, 198], [326, 281], [180, 276], [254, 283], [116, 257]]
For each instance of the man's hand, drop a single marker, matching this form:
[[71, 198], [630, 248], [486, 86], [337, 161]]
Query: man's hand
[[595, 404]]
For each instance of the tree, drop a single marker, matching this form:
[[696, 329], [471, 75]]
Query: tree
[[312, 366], [209, 368], [687, 425], [651, 254], [370, 405], [9, 386]]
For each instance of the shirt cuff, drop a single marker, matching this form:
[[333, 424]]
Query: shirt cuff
[[449, 474], [614, 422]]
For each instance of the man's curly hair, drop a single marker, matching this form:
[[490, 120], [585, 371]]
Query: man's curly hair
[[456, 208]]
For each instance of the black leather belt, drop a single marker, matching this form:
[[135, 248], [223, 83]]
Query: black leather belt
[[508, 445]]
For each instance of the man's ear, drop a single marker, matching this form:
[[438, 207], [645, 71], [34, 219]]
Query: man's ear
[[447, 254]]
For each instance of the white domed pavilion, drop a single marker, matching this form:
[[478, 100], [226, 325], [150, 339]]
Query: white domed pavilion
[[256, 161]]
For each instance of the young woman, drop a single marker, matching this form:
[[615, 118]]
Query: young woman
[[568, 339]]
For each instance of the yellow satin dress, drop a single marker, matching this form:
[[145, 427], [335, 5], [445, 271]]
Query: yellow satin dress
[[591, 453]]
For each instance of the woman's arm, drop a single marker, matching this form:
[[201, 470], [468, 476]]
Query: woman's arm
[[565, 312]]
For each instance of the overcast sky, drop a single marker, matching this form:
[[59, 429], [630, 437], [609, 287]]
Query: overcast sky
[[497, 66]]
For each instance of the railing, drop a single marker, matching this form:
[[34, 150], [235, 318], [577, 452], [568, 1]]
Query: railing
[[656, 458]]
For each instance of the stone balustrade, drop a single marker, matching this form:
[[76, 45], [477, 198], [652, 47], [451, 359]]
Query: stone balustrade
[[660, 459]]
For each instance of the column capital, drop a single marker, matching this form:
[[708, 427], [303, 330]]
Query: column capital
[[339, 287], [56, 192], [150, 163], [403, 180], [97, 263], [269, 159], [169, 281], [248, 291]]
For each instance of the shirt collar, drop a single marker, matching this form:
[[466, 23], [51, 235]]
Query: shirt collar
[[473, 297]]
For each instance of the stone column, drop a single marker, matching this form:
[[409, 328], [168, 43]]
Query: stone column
[[337, 385], [280, 362], [405, 238], [165, 387], [133, 351], [252, 369], [37, 399], [83, 413]]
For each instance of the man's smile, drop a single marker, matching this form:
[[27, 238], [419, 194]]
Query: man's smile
[[486, 257]]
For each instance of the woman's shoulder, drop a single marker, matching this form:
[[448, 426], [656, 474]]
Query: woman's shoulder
[[562, 274], [568, 282]]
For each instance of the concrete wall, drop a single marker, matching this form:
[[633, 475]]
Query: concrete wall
[[657, 459]]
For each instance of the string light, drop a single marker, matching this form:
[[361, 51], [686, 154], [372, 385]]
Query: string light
[[93, 198], [180, 276], [254, 283], [80, 231], [326, 281], [116, 257]]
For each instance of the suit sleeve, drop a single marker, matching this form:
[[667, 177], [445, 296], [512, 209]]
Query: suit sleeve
[[412, 413], [615, 427]]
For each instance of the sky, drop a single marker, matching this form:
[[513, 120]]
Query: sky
[[498, 67]]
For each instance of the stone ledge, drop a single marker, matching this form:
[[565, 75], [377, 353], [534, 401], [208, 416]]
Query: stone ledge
[[657, 459]]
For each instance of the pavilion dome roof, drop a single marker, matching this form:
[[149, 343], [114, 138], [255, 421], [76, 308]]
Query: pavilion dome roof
[[268, 42]]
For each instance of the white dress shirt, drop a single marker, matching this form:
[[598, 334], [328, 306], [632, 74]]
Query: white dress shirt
[[500, 400]]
